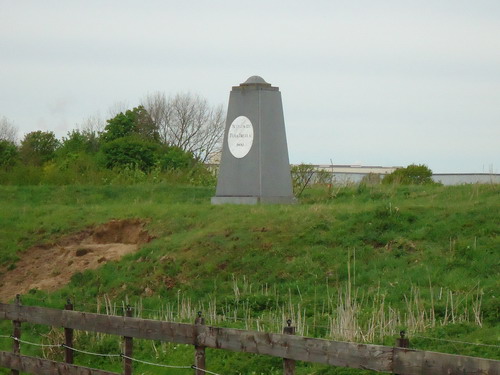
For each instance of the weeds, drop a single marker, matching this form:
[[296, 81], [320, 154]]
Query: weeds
[[348, 314]]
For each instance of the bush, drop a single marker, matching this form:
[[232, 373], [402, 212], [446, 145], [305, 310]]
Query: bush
[[38, 147], [411, 175], [302, 176], [78, 142], [200, 175], [8, 154], [130, 151], [176, 158], [21, 175], [136, 122]]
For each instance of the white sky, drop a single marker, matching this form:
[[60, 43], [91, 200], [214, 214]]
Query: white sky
[[388, 82]]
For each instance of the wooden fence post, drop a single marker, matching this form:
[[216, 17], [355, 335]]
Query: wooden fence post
[[289, 364], [199, 354], [402, 342], [68, 337], [16, 345], [128, 351]]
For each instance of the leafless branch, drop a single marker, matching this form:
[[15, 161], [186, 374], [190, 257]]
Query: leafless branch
[[187, 121], [8, 131]]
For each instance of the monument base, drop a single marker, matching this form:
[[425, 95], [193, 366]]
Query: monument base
[[253, 200]]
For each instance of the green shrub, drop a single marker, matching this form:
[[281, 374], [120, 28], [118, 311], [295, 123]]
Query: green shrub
[[302, 176], [200, 175], [411, 175], [130, 151], [38, 147], [21, 175], [78, 142], [8, 154], [176, 158], [133, 122], [128, 174]]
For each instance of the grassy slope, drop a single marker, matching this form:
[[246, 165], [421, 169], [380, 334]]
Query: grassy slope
[[384, 242]]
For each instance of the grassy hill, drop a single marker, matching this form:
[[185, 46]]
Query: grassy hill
[[353, 263]]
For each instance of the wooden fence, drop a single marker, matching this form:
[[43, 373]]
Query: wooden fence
[[287, 346]]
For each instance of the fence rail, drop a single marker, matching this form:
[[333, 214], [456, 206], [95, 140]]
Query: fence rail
[[39, 366], [287, 346]]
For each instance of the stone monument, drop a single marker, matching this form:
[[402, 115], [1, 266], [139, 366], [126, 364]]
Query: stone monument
[[254, 166]]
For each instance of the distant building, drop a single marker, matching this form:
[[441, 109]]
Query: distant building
[[466, 178], [353, 174], [345, 174]]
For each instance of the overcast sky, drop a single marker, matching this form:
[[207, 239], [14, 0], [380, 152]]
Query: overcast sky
[[363, 82]]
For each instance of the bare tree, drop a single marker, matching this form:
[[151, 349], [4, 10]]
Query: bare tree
[[187, 121], [8, 132], [117, 107], [92, 125], [160, 111]]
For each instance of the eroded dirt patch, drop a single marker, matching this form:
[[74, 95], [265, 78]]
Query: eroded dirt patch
[[49, 267]]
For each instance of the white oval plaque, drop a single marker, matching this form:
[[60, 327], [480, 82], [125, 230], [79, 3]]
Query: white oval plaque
[[240, 137]]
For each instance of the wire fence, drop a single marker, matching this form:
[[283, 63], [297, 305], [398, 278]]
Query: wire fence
[[32, 314], [331, 326], [106, 355], [416, 336], [113, 308], [187, 367]]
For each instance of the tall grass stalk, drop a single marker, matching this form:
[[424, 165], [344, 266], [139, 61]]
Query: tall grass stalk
[[346, 315]]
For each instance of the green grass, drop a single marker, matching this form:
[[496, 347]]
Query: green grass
[[367, 251]]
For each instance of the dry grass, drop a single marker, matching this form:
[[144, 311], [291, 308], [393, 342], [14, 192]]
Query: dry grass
[[347, 314]]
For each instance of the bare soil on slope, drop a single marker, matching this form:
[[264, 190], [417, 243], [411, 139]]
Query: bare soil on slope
[[49, 267]]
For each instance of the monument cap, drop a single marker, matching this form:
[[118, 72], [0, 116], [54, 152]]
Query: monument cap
[[255, 83], [255, 80]]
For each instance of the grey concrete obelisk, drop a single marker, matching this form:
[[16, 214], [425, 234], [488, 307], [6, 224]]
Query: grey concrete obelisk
[[254, 165]]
